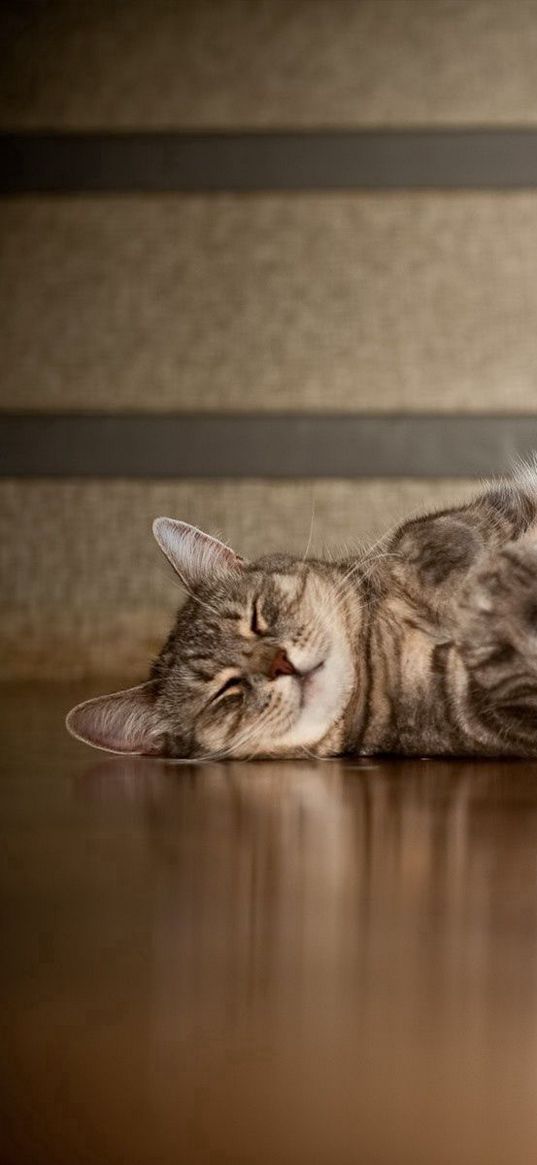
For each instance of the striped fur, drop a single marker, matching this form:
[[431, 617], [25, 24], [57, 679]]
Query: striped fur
[[428, 645]]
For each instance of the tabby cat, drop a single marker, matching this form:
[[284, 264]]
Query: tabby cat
[[428, 646]]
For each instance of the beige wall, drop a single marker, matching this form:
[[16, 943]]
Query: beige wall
[[316, 301], [259, 63], [357, 301]]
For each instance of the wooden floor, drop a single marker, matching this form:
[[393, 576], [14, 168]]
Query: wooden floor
[[262, 964]]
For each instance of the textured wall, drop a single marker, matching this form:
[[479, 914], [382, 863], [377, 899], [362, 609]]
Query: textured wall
[[87, 590], [354, 301], [327, 301], [214, 63]]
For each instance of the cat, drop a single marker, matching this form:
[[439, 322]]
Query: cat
[[426, 646]]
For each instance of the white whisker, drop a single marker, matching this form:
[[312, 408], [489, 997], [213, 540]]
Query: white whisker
[[310, 536]]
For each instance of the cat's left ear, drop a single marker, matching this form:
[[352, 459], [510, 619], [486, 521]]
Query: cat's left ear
[[128, 721], [196, 557]]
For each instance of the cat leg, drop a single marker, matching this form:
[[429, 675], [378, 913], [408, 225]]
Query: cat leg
[[496, 637]]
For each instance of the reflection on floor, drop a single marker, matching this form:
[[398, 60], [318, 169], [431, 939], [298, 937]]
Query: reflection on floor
[[318, 963]]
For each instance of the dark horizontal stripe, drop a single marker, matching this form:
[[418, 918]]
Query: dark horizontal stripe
[[162, 161], [262, 445]]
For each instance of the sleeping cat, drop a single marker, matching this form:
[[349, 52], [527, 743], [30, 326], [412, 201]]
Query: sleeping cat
[[426, 646]]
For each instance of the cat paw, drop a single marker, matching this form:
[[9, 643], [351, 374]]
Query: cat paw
[[500, 599]]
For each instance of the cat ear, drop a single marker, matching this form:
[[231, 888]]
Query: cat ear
[[123, 722], [195, 556]]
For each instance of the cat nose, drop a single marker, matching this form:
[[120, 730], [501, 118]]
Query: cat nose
[[280, 665]]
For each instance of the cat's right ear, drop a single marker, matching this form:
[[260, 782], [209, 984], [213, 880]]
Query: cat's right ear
[[196, 557]]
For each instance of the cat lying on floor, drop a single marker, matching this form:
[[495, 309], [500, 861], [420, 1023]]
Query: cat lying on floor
[[427, 645]]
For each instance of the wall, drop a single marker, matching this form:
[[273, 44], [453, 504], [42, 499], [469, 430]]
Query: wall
[[318, 301]]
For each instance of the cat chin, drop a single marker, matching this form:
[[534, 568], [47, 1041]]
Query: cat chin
[[325, 696]]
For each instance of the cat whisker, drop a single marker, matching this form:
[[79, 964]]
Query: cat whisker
[[310, 536]]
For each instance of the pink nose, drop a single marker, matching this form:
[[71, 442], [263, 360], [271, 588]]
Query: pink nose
[[280, 665]]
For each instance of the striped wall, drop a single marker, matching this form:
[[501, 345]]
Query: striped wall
[[324, 209], [268, 63], [320, 302]]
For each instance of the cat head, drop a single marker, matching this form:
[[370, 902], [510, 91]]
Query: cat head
[[258, 663]]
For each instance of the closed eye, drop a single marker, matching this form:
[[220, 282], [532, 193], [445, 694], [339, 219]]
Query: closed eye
[[234, 684], [258, 625]]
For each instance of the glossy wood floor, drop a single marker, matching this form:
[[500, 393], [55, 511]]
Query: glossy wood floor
[[313, 964]]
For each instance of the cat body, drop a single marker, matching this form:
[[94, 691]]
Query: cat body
[[425, 646]]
